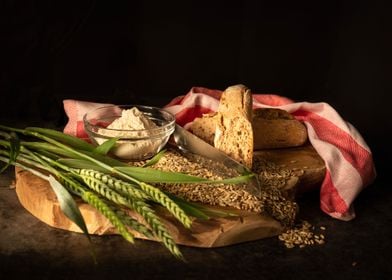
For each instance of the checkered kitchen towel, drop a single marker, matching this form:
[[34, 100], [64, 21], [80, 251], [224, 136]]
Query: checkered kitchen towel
[[348, 159]]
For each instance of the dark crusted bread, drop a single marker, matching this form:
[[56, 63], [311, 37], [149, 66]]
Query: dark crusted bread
[[275, 128]]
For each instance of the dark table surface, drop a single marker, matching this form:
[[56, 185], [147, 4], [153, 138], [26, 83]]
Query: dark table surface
[[359, 249]]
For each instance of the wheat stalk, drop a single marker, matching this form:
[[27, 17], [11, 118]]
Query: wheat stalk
[[95, 201], [139, 207]]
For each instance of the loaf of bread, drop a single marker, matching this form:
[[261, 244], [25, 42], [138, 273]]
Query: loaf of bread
[[275, 128], [233, 124], [272, 128]]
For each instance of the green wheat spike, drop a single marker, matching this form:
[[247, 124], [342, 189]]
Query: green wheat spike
[[103, 208], [114, 183], [100, 205], [163, 199], [140, 207], [147, 191], [133, 223]]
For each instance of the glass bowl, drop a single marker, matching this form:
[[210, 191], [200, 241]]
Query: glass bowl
[[133, 144]]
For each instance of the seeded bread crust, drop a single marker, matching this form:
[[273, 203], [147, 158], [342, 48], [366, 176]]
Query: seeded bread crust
[[233, 132]]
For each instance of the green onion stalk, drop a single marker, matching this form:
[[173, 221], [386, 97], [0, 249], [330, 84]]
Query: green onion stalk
[[74, 167]]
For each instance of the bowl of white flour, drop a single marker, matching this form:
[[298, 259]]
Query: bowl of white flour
[[141, 131]]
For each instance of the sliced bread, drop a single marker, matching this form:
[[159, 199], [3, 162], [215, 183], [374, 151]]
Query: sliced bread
[[233, 131], [272, 128], [204, 127]]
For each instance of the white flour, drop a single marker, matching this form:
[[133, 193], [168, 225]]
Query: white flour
[[132, 120]]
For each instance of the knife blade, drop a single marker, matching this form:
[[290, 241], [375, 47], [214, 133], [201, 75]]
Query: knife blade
[[188, 142]]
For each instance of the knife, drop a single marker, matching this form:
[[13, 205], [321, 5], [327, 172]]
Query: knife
[[188, 142]]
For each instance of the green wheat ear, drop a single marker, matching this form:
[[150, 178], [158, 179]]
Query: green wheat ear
[[132, 223], [125, 188], [105, 210], [109, 185], [164, 200], [140, 207], [105, 182]]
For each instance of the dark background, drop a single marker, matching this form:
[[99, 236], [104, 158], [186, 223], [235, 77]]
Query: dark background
[[151, 51], [148, 52]]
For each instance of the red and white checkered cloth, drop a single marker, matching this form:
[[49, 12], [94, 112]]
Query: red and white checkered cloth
[[348, 159]]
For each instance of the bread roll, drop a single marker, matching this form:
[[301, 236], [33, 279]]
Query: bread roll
[[275, 128]]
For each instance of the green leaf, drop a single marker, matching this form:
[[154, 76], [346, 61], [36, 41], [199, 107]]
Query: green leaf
[[49, 154], [104, 159], [235, 180], [189, 209], [214, 212], [106, 146], [198, 210], [155, 159], [151, 175], [80, 164], [43, 146], [68, 205], [67, 139], [70, 209], [14, 150]]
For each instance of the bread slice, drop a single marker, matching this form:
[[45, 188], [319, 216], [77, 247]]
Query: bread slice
[[233, 131], [204, 127], [236, 101]]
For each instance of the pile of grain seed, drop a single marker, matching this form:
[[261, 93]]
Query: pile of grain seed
[[274, 200], [213, 194], [276, 177], [271, 177], [301, 236], [279, 207], [278, 201]]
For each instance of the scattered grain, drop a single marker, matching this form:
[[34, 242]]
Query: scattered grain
[[12, 185], [301, 235]]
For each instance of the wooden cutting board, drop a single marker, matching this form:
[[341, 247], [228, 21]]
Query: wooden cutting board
[[36, 195]]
